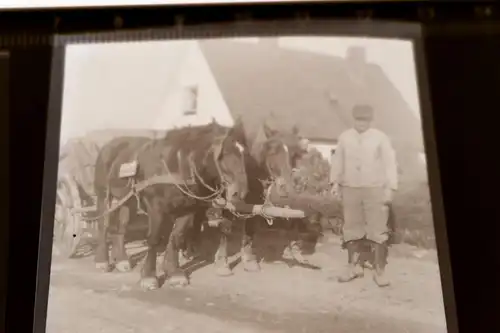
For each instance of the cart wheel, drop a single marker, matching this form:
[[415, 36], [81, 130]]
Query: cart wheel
[[67, 226]]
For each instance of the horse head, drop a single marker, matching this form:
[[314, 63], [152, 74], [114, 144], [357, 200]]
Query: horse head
[[278, 151], [214, 157], [229, 161]]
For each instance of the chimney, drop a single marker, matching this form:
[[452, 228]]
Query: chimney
[[269, 42], [356, 60], [356, 54]]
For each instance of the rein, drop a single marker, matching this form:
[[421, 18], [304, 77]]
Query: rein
[[287, 152], [184, 187], [274, 181], [216, 193], [277, 179]]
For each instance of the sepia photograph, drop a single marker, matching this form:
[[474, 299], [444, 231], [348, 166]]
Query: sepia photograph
[[253, 185]]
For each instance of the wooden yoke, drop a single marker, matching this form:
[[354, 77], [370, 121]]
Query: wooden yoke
[[264, 210]]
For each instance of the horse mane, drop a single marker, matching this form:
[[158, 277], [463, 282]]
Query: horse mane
[[190, 139], [257, 172], [261, 139]]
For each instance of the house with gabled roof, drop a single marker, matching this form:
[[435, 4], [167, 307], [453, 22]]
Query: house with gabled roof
[[265, 82], [192, 82]]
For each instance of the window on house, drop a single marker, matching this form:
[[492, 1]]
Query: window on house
[[190, 106]]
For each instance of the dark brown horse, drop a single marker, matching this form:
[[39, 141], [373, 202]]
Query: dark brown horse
[[272, 156], [202, 163]]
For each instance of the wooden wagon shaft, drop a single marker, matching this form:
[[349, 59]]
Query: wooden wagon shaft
[[264, 210], [311, 204]]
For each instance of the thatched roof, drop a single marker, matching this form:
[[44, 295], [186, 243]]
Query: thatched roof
[[265, 82]]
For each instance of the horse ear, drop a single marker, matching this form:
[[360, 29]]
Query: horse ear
[[268, 131], [238, 131], [238, 123], [213, 124]]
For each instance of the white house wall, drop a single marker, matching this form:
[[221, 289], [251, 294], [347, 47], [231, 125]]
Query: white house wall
[[117, 85], [194, 71], [323, 148]]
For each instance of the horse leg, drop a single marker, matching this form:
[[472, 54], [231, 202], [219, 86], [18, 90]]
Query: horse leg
[[193, 241], [248, 258], [221, 256], [293, 250], [176, 240], [102, 251], [121, 258], [148, 272]]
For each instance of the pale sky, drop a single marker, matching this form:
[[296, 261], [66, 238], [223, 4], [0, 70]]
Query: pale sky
[[104, 81], [159, 60]]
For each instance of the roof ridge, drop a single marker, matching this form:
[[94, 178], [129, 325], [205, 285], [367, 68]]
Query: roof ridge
[[284, 49]]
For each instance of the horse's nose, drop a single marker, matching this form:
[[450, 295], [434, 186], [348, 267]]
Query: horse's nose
[[236, 192], [238, 195]]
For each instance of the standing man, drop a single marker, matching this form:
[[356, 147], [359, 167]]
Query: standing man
[[364, 175]]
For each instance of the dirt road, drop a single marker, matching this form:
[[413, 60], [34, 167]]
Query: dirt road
[[277, 299]]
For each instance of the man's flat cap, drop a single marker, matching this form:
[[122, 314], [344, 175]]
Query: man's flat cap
[[362, 112]]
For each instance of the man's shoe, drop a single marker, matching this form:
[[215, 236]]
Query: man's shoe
[[352, 273]]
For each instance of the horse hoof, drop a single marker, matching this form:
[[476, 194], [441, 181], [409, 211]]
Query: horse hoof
[[178, 280], [302, 261], [297, 257], [251, 266], [123, 266], [103, 267], [223, 271], [149, 283]]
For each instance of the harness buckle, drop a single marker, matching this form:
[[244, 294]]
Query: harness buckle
[[214, 216], [140, 211]]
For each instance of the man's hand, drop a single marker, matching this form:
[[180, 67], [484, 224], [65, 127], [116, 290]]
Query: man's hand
[[388, 195]]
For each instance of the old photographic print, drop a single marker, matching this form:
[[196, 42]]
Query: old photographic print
[[243, 185]]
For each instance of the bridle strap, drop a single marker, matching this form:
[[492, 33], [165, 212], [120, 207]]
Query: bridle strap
[[219, 169], [287, 152], [222, 177]]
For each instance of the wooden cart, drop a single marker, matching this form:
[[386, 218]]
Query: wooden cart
[[74, 227], [75, 199]]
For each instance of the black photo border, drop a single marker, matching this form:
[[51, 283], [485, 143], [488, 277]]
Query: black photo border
[[461, 44]]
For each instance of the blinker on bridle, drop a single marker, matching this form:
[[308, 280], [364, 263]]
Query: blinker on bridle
[[287, 153], [215, 150]]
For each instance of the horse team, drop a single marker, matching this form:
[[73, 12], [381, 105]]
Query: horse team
[[205, 163]]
